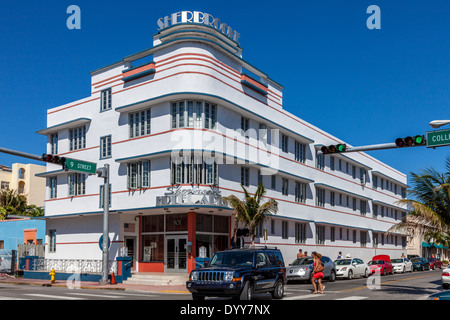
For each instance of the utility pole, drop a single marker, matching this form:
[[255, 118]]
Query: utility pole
[[104, 173]]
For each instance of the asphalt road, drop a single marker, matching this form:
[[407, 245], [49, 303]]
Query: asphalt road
[[409, 286]]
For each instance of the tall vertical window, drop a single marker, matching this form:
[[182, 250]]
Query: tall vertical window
[[138, 175], [53, 188], [332, 198], [77, 184], [264, 134], [105, 99], [245, 176], [285, 186], [77, 138], [320, 162], [300, 152], [193, 114], [300, 192], [273, 182], [363, 238], [332, 163], [139, 123], [194, 169], [363, 207], [362, 175], [105, 147], [54, 143], [285, 229], [320, 234], [320, 197], [284, 143], [52, 240], [245, 126], [333, 234], [300, 232]]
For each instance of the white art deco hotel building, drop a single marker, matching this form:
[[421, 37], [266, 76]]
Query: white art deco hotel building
[[181, 125]]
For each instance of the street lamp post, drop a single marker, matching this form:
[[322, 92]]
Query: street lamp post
[[438, 123]]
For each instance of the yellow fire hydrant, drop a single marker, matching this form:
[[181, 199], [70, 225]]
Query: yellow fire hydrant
[[52, 276]]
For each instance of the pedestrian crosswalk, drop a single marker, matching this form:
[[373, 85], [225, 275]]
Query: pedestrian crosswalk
[[75, 296]]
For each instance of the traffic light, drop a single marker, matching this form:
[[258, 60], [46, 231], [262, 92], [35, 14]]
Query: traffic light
[[53, 159], [418, 140], [334, 148]]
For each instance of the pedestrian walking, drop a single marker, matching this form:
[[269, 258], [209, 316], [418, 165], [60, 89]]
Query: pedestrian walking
[[317, 273]]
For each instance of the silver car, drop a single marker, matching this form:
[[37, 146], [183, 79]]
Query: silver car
[[301, 269]]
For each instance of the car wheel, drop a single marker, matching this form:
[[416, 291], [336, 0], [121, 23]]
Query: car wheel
[[404, 269], [445, 285], [350, 275], [247, 292], [278, 292], [384, 272], [198, 297], [366, 273], [332, 277]]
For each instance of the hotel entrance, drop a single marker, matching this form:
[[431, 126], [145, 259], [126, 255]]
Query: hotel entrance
[[176, 253]]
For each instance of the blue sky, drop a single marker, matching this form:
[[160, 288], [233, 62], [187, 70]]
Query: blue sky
[[363, 86]]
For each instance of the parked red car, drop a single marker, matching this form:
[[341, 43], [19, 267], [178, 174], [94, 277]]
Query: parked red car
[[381, 264], [435, 263]]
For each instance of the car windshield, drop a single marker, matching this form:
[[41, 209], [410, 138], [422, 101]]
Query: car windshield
[[345, 262], [396, 260], [373, 262], [303, 261], [416, 260], [221, 259]]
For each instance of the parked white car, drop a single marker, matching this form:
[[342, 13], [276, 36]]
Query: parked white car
[[351, 267], [446, 277], [401, 265]]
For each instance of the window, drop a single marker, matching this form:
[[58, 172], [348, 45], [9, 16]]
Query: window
[[375, 210], [300, 232], [52, 240], [320, 197], [284, 143], [245, 126], [272, 226], [354, 236], [354, 204], [77, 184], [332, 163], [300, 152], [105, 147], [53, 188], [363, 207], [139, 123], [264, 134], [332, 198], [320, 234], [375, 182], [193, 114], [362, 175], [54, 143], [320, 162], [353, 172], [4, 185], [77, 138], [273, 184], [300, 192], [194, 169], [105, 99], [138, 175], [285, 186], [284, 229], [332, 234], [363, 238], [260, 177], [245, 176]]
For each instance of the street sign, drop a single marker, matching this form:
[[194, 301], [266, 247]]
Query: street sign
[[81, 166], [438, 138]]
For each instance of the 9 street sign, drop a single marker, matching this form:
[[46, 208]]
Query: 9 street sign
[[81, 166], [438, 138]]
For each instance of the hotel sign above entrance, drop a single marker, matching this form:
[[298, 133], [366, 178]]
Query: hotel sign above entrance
[[197, 17], [178, 195]]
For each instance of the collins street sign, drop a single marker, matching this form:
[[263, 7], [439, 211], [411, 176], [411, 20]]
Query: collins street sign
[[80, 166], [438, 138]]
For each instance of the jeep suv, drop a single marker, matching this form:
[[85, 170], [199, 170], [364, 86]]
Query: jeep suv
[[239, 273]]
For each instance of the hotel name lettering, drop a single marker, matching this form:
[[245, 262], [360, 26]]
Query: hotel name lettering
[[198, 18], [191, 196]]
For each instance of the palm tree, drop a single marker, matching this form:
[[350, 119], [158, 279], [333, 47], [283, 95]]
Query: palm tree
[[11, 202], [429, 205], [250, 211]]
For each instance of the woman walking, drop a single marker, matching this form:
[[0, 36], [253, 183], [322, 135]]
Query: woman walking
[[317, 273]]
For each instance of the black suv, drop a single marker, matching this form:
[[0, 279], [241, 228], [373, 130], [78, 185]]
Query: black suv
[[239, 273]]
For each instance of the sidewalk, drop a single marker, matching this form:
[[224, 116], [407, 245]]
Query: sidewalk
[[96, 285]]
